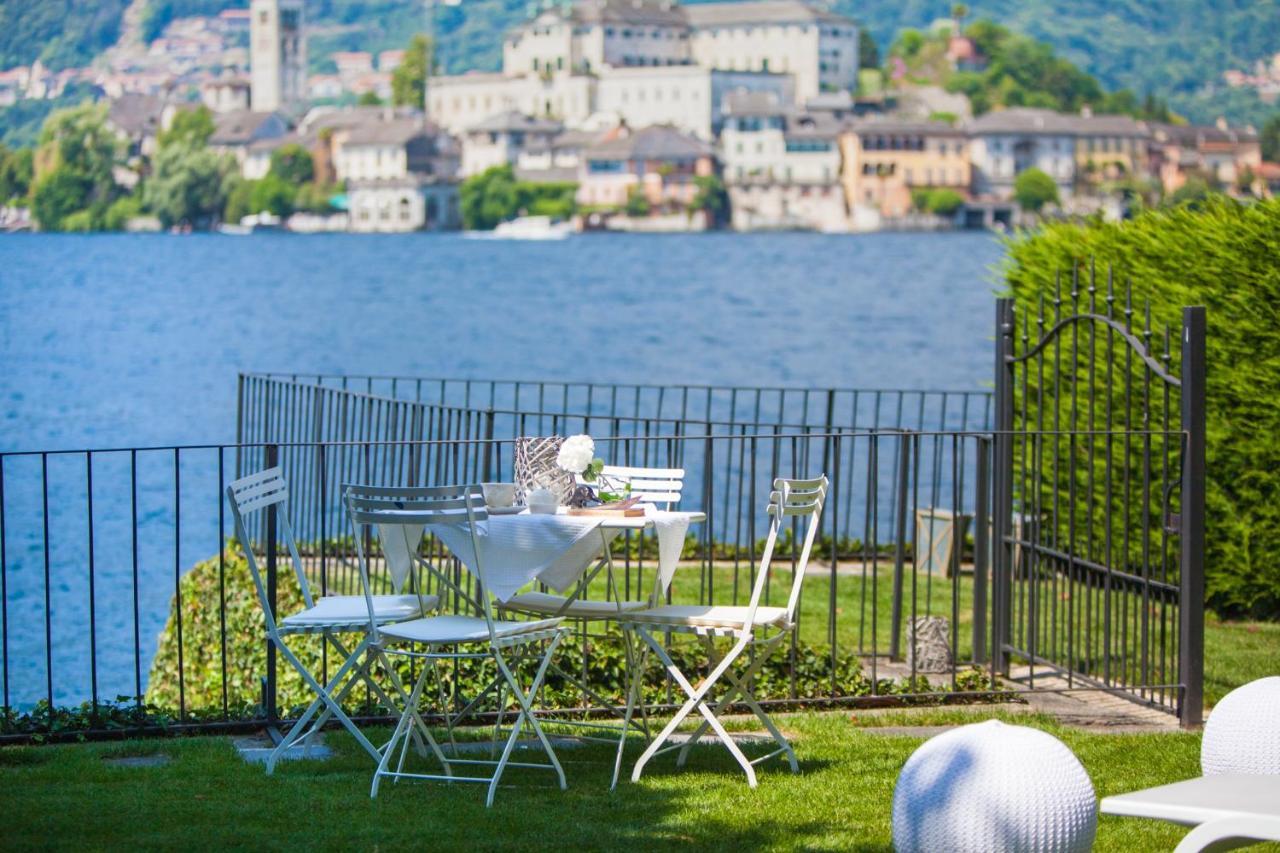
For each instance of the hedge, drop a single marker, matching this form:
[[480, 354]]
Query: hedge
[[1225, 256], [201, 693]]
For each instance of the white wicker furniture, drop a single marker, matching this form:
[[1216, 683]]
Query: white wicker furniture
[[992, 786], [329, 616], [455, 637], [747, 626], [1237, 801]]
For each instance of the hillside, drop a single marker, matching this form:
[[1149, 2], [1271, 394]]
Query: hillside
[[1176, 49]]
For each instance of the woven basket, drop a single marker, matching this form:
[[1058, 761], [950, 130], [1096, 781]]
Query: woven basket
[[535, 466]]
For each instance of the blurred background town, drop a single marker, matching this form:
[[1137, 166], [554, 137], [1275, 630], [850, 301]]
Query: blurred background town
[[638, 115]]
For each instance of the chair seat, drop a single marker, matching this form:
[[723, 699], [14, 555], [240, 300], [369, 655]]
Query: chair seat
[[352, 609], [460, 629], [545, 603], [708, 616]]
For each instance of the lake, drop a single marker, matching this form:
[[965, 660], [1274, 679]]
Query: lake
[[134, 340]]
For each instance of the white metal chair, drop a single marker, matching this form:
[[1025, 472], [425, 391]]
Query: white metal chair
[[328, 617], [747, 626], [658, 486], [436, 638]]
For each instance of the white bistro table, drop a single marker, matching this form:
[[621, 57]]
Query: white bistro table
[[1227, 810]]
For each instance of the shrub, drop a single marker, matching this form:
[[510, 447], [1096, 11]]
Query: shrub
[[120, 212], [1221, 255], [1033, 189], [203, 597]]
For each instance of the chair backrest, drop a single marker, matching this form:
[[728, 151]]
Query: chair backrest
[[659, 486], [257, 493], [455, 505], [790, 499]]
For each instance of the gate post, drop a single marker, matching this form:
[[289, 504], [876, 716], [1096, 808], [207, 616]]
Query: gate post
[[1002, 486], [1191, 585]]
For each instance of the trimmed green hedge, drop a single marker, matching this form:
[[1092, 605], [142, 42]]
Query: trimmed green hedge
[[1225, 256], [201, 693]]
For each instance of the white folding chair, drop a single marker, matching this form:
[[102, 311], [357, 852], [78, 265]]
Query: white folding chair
[[658, 486], [435, 638], [328, 617], [748, 626]]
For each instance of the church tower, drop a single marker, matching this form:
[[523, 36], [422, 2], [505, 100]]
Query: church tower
[[277, 55]]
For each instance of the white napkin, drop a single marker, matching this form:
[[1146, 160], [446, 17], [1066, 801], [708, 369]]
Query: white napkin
[[671, 528], [399, 545]]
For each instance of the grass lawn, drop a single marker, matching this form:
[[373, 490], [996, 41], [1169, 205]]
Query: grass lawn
[[65, 797]]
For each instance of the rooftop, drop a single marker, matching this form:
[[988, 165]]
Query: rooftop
[[135, 114], [395, 131], [659, 142], [514, 120], [761, 12], [240, 127]]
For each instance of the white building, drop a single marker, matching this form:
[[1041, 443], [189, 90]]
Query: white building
[[401, 175], [817, 47], [399, 205], [645, 62], [1005, 143], [277, 54], [500, 140], [781, 167]]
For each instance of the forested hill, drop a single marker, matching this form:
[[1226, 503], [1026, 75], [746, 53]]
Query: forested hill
[[1175, 49]]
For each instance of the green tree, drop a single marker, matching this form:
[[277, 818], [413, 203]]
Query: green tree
[[944, 202], [1195, 190], [488, 198], [186, 185], [637, 203], [1270, 139], [57, 195], [79, 153], [711, 196], [273, 195], [292, 163], [189, 127], [409, 80], [120, 212], [1033, 189], [868, 50], [15, 173], [239, 194], [369, 99], [314, 198]]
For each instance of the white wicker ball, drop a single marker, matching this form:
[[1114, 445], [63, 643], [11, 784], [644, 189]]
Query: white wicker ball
[[1243, 731], [991, 786]]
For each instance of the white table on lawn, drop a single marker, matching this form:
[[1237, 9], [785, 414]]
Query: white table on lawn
[[1227, 810]]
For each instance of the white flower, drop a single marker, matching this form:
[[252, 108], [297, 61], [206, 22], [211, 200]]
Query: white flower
[[576, 453]]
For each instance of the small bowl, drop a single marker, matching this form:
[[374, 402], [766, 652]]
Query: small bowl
[[542, 502]]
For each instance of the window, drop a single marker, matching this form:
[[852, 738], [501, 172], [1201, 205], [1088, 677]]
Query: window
[[605, 167]]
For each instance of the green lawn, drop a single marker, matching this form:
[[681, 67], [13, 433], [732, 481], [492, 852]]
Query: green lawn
[[65, 797]]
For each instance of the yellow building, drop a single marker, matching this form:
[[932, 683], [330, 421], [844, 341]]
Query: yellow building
[[883, 160], [1108, 147]]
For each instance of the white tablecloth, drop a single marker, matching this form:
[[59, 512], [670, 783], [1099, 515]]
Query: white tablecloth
[[516, 549]]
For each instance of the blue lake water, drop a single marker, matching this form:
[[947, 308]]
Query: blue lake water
[[118, 341]]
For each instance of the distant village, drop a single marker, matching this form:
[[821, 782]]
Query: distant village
[[640, 106]]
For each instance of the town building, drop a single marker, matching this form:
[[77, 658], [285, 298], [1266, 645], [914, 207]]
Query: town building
[[277, 55], [401, 175], [781, 167], [500, 139], [658, 164], [555, 160], [1108, 147], [885, 159], [817, 47], [592, 63], [1218, 153], [235, 132], [1005, 143], [226, 94]]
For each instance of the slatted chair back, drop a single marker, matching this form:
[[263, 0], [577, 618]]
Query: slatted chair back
[[258, 493], [461, 506], [790, 499], [658, 486]]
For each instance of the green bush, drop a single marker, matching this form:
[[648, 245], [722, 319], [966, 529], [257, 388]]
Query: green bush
[[203, 597], [120, 212], [1221, 255]]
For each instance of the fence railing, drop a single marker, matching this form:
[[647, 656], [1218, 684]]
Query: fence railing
[[97, 549]]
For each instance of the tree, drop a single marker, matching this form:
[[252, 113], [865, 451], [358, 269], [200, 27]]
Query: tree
[[409, 80], [15, 174], [57, 195], [185, 185], [1194, 192], [189, 127], [488, 198], [868, 50], [711, 196], [292, 163], [1270, 139], [273, 195], [369, 99], [637, 203], [74, 165], [1033, 189]]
